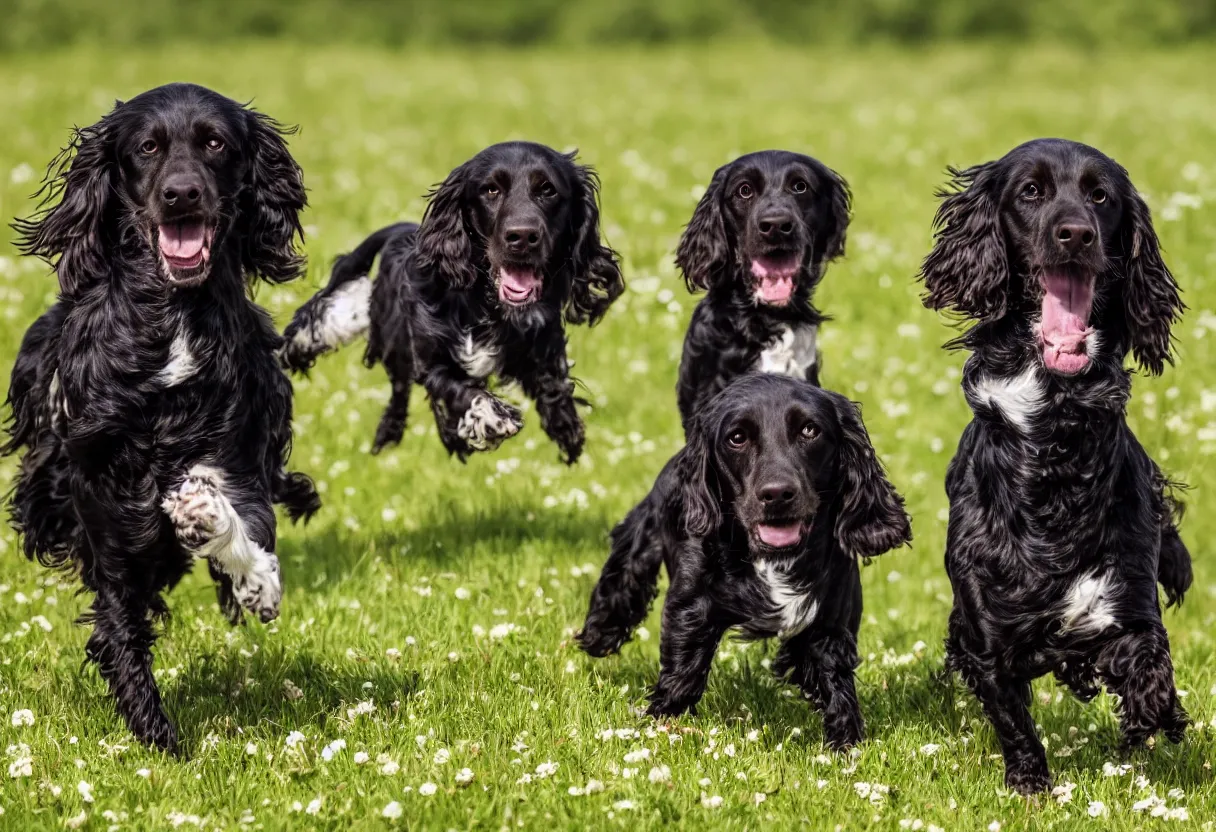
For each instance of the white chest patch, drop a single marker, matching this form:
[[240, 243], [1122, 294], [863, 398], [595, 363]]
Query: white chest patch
[[792, 352], [1089, 605], [479, 360], [796, 608], [1019, 398], [181, 365]]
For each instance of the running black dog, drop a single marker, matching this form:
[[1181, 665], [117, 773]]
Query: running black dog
[[510, 244], [1060, 524], [764, 516], [155, 421]]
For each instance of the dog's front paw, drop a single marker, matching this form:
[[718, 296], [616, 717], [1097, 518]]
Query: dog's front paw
[[1027, 781], [258, 589], [196, 511], [487, 422], [662, 706], [600, 642]]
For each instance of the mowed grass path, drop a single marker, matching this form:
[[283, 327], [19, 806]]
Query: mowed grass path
[[429, 608]]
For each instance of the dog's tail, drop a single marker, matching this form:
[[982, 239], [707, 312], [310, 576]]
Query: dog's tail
[[1174, 562], [296, 493], [340, 312], [629, 581]]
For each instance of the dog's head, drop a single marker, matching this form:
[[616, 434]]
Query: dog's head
[[526, 218], [180, 170], [779, 457], [771, 220], [1055, 231]]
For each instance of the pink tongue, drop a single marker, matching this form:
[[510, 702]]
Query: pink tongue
[[517, 285], [776, 277], [1067, 301], [779, 537], [182, 241]]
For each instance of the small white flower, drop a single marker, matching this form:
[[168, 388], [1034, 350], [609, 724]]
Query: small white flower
[[729, 751], [524, 779], [328, 752], [77, 821], [1175, 794], [995, 826], [659, 774], [314, 806], [500, 631], [463, 594], [427, 789], [929, 749], [1178, 813], [623, 805], [389, 767], [251, 748], [86, 791], [361, 757], [638, 755], [360, 709], [442, 756], [144, 773], [547, 769], [1112, 770], [21, 767], [290, 690], [23, 717], [294, 739], [753, 735], [1063, 793], [711, 802], [464, 777], [392, 811], [1097, 809], [759, 797], [393, 654]]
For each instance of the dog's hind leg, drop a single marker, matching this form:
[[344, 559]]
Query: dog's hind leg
[[400, 367], [1137, 667], [230, 523]]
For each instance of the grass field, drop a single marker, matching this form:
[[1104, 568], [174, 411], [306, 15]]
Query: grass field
[[429, 608]]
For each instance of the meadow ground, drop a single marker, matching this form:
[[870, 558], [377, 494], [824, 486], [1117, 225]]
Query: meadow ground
[[427, 621]]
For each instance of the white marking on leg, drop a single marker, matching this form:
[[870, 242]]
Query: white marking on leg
[[479, 360], [796, 608], [1089, 605], [345, 316], [1019, 398], [487, 422], [208, 526], [182, 363], [794, 351]]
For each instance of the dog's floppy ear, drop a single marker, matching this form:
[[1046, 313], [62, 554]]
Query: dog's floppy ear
[[596, 280], [71, 235], [968, 269], [840, 211], [872, 518], [1151, 300], [443, 245], [700, 490], [273, 199], [704, 249]]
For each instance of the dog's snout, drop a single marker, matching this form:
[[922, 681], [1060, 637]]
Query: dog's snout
[[776, 227], [182, 191], [1075, 237], [778, 493], [522, 238]]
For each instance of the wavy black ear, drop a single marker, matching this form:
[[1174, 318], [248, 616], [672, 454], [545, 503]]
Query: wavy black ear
[[443, 245], [840, 212], [1151, 299], [699, 482], [704, 251], [271, 204], [872, 518], [968, 269], [596, 281], [72, 234]]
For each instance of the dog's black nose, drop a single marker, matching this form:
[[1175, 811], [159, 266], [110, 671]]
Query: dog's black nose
[[777, 493], [776, 227], [1075, 237], [522, 239], [182, 191]]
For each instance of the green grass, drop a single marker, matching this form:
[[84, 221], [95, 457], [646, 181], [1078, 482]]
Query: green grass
[[417, 553]]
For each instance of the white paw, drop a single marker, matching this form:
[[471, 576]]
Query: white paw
[[258, 588], [197, 511], [487, 422]]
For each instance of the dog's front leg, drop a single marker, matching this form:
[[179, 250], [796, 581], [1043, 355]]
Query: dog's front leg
[[1137, 667], [689, 640], [823, 665], [550, 386], [228, 520], [1006, 703], [468, 416]]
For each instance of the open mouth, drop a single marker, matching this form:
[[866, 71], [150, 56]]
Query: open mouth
[[1068, 298], [185, 248], [518, 285], [781, 534], [775, 275]]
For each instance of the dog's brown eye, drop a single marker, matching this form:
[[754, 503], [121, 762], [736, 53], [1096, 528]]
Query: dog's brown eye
[[547, 190], [809, 431], [737, 439], [1030, 191], [489, 190], [215, 145], [799, 186], [1098, 196], [745, 191], [149, 147]]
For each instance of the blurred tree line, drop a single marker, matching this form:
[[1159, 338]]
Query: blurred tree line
[[43, 24]]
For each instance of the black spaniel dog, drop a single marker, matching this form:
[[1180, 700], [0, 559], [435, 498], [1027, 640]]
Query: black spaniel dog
[[758, 243], [508, 248], [765, 514], [154, 419], [1061, 526]]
